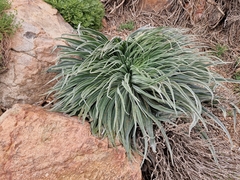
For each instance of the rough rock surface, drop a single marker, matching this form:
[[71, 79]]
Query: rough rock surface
[[37, 144], [31, 52]]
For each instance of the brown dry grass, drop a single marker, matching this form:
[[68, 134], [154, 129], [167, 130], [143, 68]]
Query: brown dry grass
[[216, 22], [4, 53], [192, 157]]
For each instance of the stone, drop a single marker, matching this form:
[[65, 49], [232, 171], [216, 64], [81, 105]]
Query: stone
[[31, 52], [38, 144]]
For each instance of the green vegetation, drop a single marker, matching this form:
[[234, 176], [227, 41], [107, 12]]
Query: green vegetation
[[7, 28], [237, 76], [127, 26], [220, 50], [88, 13], [4, 4], [127, 87]]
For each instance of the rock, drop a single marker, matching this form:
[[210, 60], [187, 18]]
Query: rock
[[31, 52], [37, 144]]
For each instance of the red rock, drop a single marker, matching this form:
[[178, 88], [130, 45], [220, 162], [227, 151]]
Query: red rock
[[36, 144]]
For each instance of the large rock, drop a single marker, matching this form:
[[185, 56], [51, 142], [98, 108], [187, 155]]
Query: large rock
[[31, 52], [37, 144]]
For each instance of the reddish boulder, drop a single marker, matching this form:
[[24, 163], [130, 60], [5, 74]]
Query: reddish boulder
[[37, 144]]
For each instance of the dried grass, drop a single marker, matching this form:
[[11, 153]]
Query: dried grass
[[4, 53], [192, 158], [216, 21]]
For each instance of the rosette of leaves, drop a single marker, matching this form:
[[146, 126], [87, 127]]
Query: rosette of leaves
[[87, 12], [125, 86]]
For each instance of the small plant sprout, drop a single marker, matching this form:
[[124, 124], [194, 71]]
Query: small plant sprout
[[129, 25], [220, 50]]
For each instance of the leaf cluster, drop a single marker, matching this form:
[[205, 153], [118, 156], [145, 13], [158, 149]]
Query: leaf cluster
[[87, 13], [220, 50], [7, 26], [152, 78]]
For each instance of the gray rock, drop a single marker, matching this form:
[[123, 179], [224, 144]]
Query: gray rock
[[31, 52]]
